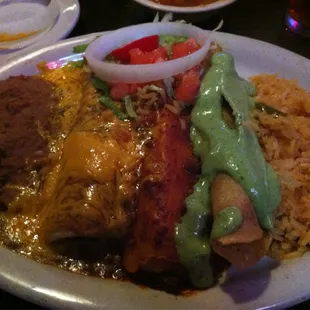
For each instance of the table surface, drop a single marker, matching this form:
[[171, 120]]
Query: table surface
[[260, 19]]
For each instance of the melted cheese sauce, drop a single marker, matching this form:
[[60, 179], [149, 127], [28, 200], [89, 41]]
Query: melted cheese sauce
[[21, 234], [88, 187]]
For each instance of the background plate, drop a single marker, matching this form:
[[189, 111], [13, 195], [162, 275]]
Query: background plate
[[186, 10], [67, 19], [266, 286]]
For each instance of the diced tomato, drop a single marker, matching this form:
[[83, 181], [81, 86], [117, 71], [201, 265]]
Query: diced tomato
[[193, 43], [188, 88], [185, 48], [133, 88], [146, 44], [160, 55], [120, 90], [196, 68], [138, 57]]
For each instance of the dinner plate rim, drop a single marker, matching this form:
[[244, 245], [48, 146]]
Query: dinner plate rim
[[36, 282], [28, 55]]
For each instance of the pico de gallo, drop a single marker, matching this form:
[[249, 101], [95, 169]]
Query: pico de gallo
[[177, 91], [155, 49]]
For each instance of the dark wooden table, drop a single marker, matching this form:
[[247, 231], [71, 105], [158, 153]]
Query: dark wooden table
[[259, 19]]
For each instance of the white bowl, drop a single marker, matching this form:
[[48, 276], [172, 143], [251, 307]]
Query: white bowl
[[185, 10]]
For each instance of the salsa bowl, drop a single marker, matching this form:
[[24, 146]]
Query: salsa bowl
[[185, 10]]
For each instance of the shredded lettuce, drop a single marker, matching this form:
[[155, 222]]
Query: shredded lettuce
[[107, 101], [168, 17], [129, 108], [169, 40], [101, 85], [77, 63], [154, 88], [168, 85], [80, 48], [109, 104]]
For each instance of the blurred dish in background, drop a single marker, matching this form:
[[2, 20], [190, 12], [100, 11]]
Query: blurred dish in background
[[298, 17], [28, 24], [185, 2], [184, 6], [22, 23]]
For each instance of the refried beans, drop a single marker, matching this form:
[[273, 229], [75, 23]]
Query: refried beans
[[26, 105]]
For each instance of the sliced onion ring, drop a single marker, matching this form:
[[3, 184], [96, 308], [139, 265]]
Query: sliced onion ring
[[118, 73]]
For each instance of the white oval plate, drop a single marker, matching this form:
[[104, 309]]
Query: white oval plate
[[185, 10], [69, 12], [266, 286]]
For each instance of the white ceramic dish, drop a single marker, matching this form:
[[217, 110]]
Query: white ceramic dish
[[266, 286], [26, 17], [185, 10], [69, 12]]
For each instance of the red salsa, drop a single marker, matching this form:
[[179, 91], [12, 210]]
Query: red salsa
[[149, 51]]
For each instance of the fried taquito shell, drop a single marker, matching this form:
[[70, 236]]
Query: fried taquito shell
[[246, 246]]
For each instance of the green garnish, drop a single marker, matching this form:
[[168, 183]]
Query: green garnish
[[155, 88], [99, 84], [110, 58], [109, 104], [78, 63], [268, 109], [80, 48], [129, 108], [168, 40]]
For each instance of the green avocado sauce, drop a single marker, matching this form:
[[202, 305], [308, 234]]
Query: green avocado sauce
[[226, 222], [222, 149]]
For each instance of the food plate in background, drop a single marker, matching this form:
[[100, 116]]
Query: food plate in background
[[268, 285], [25, 25], [185, 10]]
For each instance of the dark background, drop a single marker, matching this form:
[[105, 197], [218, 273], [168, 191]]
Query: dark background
[[259, 19]]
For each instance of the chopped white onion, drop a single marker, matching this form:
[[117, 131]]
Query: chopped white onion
[[115, 73]]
